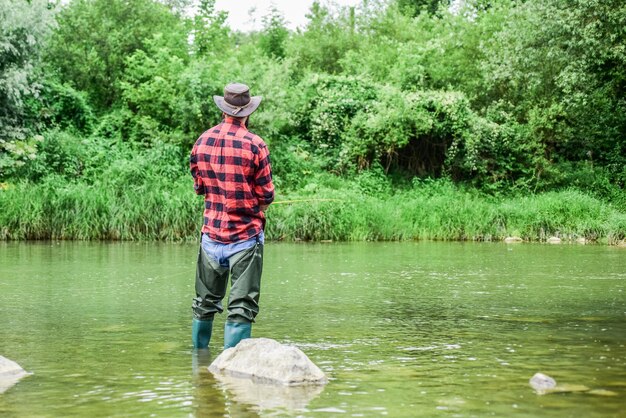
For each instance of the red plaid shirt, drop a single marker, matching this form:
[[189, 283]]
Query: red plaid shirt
[[231, 168]]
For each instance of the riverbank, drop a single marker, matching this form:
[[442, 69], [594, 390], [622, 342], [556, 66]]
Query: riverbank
[[328, 210]]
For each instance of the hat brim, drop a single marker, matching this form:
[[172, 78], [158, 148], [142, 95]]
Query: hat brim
[[254, 103]]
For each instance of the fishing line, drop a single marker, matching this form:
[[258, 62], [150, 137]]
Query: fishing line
[[305, 200]]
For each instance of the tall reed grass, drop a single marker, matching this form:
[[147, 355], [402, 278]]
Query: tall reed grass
[[81, 211], [59, 209], [451, 215]]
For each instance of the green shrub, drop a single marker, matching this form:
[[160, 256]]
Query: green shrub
[[60, 106], [59, 153], [329, 105]]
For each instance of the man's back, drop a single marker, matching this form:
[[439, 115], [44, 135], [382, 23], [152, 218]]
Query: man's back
[[231, 167]]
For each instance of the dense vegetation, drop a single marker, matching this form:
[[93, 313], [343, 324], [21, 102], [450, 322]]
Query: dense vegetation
[[399, 119]]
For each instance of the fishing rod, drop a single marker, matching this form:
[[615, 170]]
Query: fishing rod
[[305, 200]]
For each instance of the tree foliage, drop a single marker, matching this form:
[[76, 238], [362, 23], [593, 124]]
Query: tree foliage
[[560, 66], [501, 95], [24, 27], [414, 7], [209, 28], [274, 35], [94, 38], [326, 39]]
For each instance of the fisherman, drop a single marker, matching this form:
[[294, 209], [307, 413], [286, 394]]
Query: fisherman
[[231, 167]]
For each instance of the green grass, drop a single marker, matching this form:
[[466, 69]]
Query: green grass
[[335, 210], [81, 211], [451, 215]]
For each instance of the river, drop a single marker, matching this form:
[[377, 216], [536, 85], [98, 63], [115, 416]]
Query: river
[[420, 329]]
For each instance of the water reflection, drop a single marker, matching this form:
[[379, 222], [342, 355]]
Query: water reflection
[[266, 396], [220, 395], [208, 402]]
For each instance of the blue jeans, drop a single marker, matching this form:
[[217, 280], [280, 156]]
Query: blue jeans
[[222, 253]]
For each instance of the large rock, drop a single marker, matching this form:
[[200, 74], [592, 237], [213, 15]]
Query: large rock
[[267, 361], [10, 373]]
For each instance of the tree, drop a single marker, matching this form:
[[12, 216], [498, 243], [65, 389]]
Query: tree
[[326, 39], [560, 67], [24, 26], [209, 30], [415, 7], [95, 37], [274, 34]]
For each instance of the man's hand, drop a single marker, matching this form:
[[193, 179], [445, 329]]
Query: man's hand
[[263, 208]]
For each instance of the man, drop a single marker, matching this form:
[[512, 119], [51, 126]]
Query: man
[[231, 168]]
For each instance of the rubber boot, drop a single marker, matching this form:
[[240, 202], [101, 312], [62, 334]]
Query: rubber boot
[[235, 332], [201, 333]]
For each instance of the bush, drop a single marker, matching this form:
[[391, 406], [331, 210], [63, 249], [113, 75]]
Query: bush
[[59, 106], [58, 153], [328, 107]]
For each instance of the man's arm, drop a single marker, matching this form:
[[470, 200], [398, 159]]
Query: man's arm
[[264, 187], [198, 184]]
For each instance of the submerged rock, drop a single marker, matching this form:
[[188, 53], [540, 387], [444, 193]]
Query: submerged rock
[[545, 385], [602, 392], [554, 240], [10, 373], [566, 388], [542, 382], [267, 361]]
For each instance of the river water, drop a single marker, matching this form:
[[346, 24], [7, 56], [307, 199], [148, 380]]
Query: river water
[[401, 329]]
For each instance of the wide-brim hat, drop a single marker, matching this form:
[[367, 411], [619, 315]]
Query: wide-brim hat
[[237, 101]]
